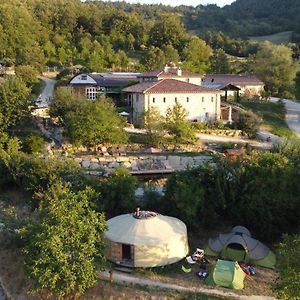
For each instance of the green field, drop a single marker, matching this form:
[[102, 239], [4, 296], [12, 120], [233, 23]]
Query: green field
[[278, 38]]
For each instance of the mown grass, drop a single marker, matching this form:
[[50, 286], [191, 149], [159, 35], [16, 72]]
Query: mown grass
[[277, 38], [273, 115]]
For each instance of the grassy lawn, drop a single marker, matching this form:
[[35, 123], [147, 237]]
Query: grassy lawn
[[273, 115], [278, 38]]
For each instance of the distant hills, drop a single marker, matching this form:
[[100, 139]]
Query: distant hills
[[245, 18]]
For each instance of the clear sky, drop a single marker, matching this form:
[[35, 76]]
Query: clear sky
[[184, 2]]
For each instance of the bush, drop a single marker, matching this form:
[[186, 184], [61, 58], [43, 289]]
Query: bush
[[33, 143], [62, 74], [248, 122]]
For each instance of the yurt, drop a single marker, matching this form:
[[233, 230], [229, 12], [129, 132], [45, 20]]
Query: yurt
[[145, 239]]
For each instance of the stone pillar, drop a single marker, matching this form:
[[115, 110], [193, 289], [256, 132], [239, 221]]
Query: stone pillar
[[230, 114]]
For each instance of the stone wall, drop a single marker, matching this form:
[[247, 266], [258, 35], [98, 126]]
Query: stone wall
[[106, 165]]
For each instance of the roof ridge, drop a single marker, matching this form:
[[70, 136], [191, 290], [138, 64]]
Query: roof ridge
[[156, 83]]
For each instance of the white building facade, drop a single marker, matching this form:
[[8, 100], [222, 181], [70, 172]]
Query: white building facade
[[201, 104]]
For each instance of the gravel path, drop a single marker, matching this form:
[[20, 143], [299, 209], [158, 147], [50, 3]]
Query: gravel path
[[293, 115], [130, 279], [47, 93]]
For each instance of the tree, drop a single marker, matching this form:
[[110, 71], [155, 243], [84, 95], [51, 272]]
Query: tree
[[266, 194], [14, 101], [275, 67], [196, 55], [154, 125], [297, 85], [64, 102], [171, 55], [288, 284], [183, 197], [118, 192], [196, 196], [62, 244], [94, 123], [219, 63], [177, 125], [153, 58], [28, 74], [168, 31]]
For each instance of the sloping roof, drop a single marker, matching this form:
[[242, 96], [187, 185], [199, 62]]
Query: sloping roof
[[169, 72], [233, 79], [220, 86], [112, 79], [108, 82], [167, 86]]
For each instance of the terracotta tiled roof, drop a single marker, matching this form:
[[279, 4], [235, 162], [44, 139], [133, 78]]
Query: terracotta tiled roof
[[233, 79], [169, 72], [167, 86]]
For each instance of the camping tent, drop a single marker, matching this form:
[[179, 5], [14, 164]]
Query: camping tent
[[146, 239], [227, 274], [240, 246]]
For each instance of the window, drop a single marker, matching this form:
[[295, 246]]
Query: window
[[137, 97], [84, 77], [175, 99], [164, 100], [153, 100], [202, 99], [212, 99], [91, 93], [187, 99]]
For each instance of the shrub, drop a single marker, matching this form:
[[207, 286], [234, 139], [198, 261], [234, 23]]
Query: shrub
[[248, 122], [33, 143]]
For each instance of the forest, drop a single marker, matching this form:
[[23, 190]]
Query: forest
[[120, 36], [63, 222]]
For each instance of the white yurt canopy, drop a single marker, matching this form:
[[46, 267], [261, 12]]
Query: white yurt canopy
[[149, 230]]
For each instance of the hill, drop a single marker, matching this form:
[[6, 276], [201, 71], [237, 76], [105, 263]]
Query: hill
[[245, 18]]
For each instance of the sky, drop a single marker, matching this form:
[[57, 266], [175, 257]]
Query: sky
[[184, 2]]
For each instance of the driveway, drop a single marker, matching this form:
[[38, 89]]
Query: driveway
[[47, 94], [293, 115]]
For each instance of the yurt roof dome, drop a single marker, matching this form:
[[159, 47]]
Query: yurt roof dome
[[144, 228]]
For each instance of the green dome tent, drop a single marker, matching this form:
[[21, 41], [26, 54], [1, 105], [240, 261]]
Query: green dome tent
[[238, 245], [227, 274]]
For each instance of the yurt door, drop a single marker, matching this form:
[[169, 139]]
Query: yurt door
[[127, 254]]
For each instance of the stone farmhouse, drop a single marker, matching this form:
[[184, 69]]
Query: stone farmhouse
[[202, 104]]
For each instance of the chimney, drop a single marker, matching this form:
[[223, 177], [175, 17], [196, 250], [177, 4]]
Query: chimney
[[179, 71], [166, 69], [137, 212]]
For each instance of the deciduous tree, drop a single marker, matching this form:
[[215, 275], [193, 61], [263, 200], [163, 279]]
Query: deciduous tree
[[95, 122], [154, 124], [275, 67], [14, 101], [196, 55], [178, 126], [63, 243]]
